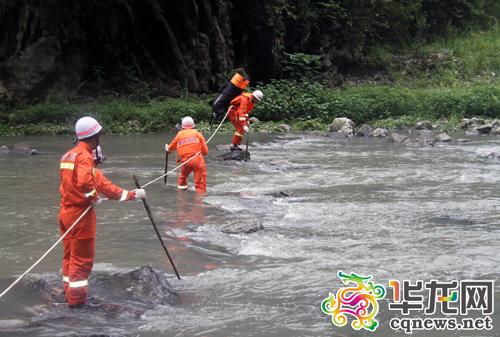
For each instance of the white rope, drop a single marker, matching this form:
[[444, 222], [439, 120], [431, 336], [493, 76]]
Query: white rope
[[197, 153], [46, 253], [88, 208]]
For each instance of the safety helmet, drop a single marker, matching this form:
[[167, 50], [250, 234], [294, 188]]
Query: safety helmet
[[258, 95], [87, 127], [187, 123]]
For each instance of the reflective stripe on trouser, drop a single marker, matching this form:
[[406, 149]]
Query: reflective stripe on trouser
[[197, 166], [238, 135], [78, 260]]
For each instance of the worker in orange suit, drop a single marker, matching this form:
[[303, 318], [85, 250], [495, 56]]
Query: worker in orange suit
[[81, 185], [240, 108], [190, 143]]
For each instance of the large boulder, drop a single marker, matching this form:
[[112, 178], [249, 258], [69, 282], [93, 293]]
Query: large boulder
[[343, 126], [240, 155], [471, 123], [379, 133], [364, 131], [484, 129], [425, 134], [397, 138], [443, 137]]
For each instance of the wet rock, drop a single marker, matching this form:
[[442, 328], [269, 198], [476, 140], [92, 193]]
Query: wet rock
[[397, 138], [425, 134], [471, 133], [18, 149], [241, 155], [242, 227], [364, 131], [484, 129], [144, 286], [424, 125], [471, 123], [492, 155], [379, 133], [443, 137], [463, 140], [285, 128], [282, 194], [342, 125], [495, 131], [149, 285]]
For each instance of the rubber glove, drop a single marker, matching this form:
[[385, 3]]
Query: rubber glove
[[140, 193], [166, 147], [246, 128]]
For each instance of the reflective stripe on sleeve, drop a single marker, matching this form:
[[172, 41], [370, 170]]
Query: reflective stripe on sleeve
[[124, 195], [65, 278], [243, 118], [67, 166], [78, 284], [91, 193], [238, 134]]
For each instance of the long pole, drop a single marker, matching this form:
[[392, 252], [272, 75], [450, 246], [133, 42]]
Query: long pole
[[246, 148], [148, 210], [166, 169]]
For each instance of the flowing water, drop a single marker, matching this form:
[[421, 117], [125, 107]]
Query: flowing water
[[357, 205]]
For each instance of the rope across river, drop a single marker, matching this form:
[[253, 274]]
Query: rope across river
[[90, 206]]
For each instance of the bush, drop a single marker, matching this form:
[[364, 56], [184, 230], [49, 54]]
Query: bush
[[290, 100]]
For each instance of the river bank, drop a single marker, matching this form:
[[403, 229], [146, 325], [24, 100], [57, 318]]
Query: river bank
[[305, 106]]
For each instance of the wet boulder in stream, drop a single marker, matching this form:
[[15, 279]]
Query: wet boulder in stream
[[240, 155], [145, 286], [242, 227], [18, 149], [343, 126], [364, 131]]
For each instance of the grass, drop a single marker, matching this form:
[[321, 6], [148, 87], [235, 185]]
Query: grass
[[471, 57]]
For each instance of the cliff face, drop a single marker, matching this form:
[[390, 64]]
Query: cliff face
[[70, 45]]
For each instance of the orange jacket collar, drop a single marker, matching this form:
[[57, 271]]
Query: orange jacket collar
[[84, 146]]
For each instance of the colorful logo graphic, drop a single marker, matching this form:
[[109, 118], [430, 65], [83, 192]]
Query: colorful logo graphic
[[359, 301]]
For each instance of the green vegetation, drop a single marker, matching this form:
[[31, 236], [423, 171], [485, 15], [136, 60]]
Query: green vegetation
[[287, 100], [117, 115], [442, 81]]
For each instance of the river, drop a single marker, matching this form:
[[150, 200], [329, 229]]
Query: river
[[356, 205]]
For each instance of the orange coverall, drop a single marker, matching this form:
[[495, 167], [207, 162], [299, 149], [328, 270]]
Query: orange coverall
[[238, 115], [81, 184], [188, 142]]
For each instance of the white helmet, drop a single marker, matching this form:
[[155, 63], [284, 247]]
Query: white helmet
[[258, 95], [187, 123], [87, 127]]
